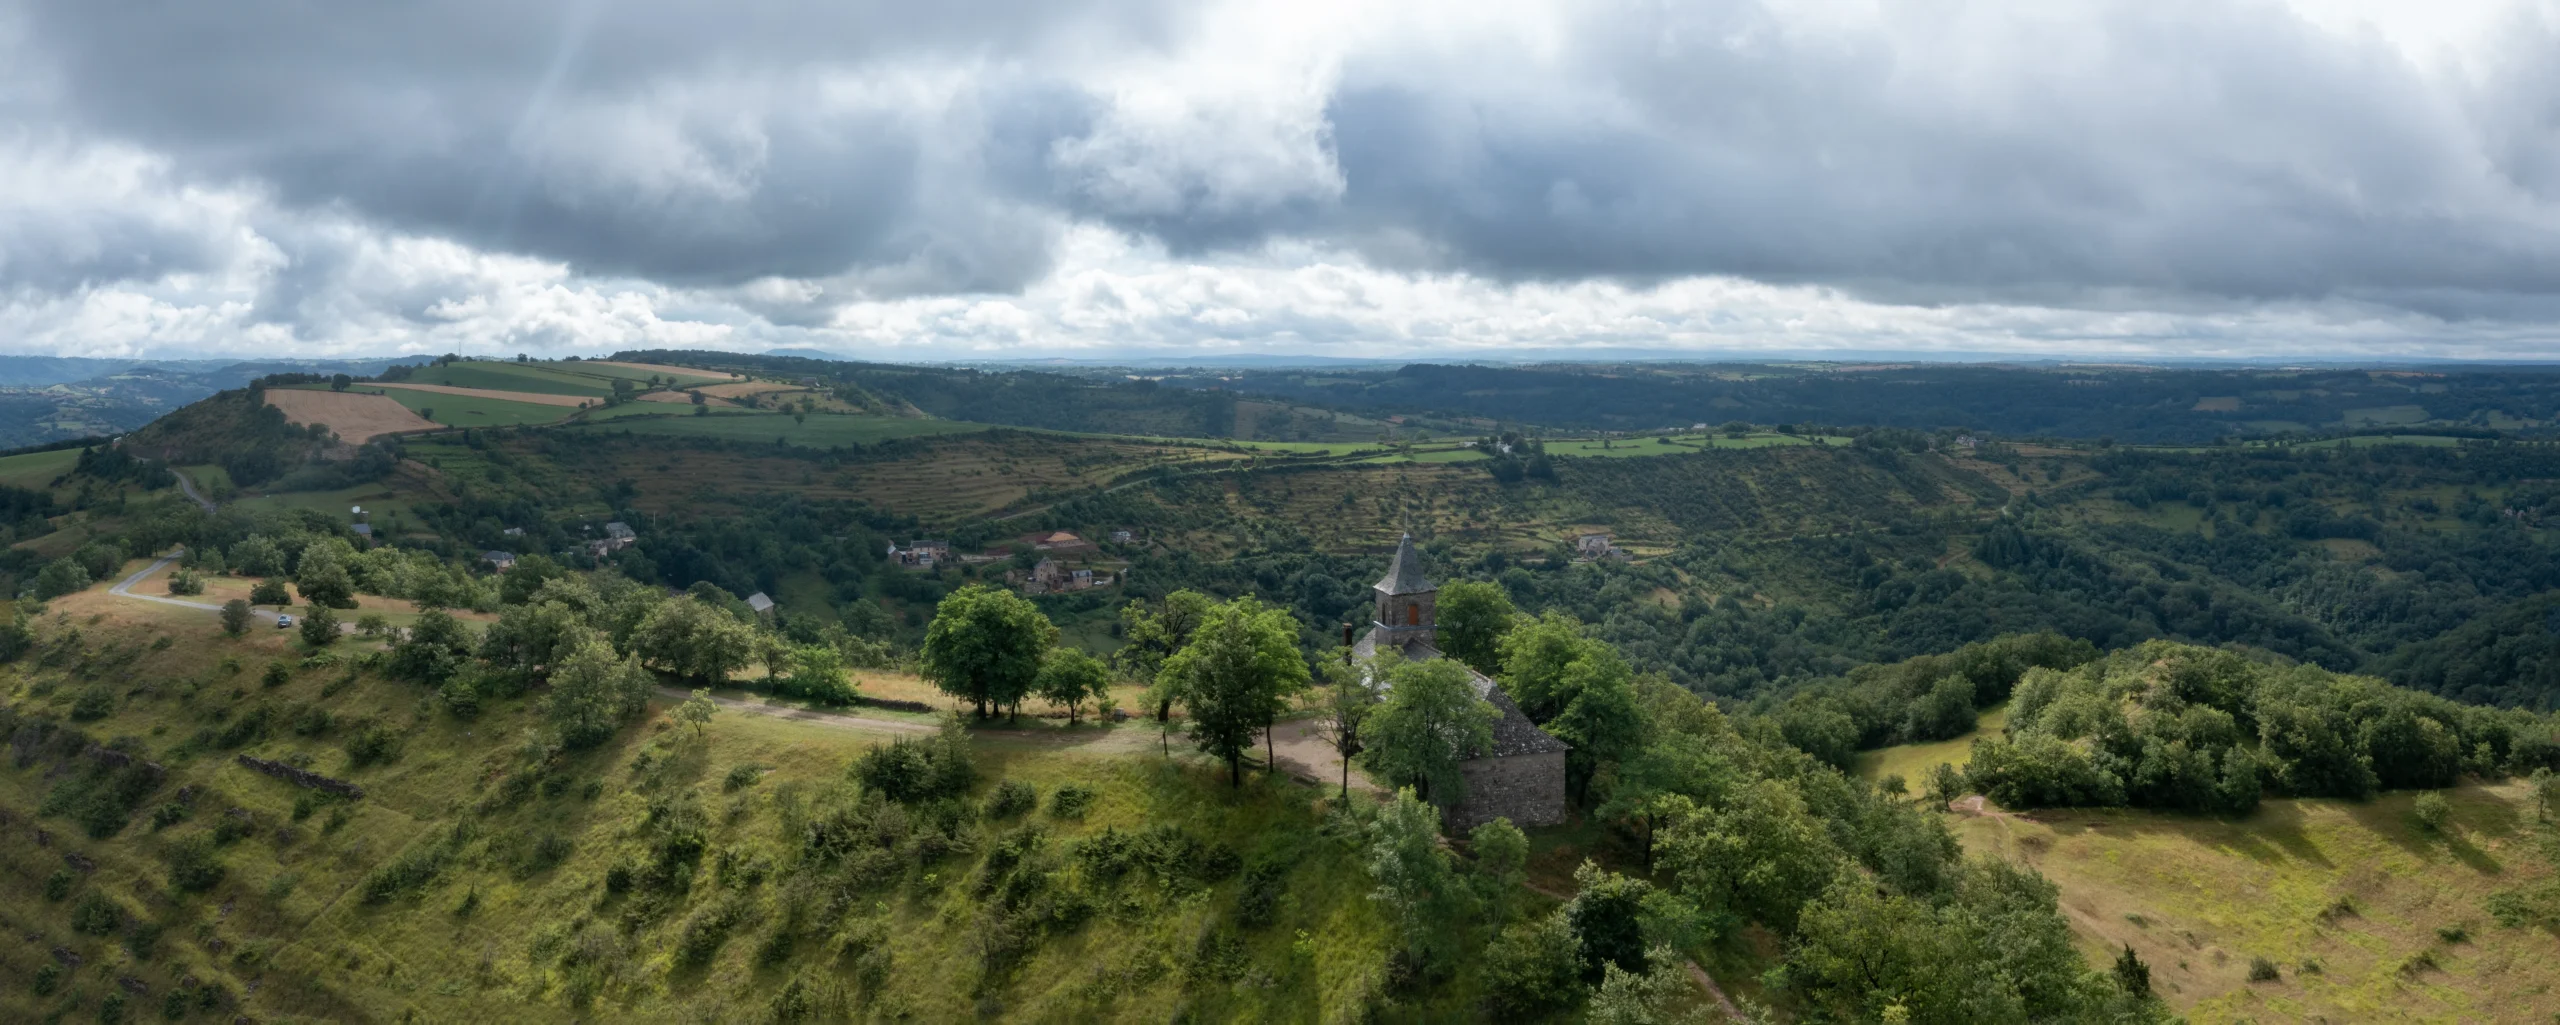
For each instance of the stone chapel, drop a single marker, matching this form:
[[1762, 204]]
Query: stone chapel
[[1521, 776]]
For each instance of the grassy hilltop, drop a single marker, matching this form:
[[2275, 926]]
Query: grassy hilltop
[[476, 879]]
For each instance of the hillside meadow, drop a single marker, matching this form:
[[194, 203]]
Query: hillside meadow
[[2362, 913], [484, 877]]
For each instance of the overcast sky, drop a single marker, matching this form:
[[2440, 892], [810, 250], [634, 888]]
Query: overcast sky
[[2341, 179]]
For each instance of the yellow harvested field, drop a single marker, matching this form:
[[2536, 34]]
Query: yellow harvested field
[[660, 368], [730, 391], [685, 397], [571, 401], [357, 418]]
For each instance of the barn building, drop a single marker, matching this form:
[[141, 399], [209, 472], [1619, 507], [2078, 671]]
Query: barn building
[[1521, 777]]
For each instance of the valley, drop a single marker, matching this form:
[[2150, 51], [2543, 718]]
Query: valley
[[669, 710]]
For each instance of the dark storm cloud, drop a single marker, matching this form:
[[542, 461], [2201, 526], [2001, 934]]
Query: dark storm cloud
[[2208, 149], [687, 143], [2160, 154]]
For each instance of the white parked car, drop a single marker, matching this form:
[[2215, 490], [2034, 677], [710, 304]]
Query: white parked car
[[283, 621]]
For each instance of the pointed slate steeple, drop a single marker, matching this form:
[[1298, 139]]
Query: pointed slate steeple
[[1404, 575]]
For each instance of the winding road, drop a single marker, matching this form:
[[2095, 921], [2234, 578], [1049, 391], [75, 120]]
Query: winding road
[[125, 589], [189, 487]]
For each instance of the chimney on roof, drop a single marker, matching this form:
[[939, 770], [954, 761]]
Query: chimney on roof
[[1346, 635]]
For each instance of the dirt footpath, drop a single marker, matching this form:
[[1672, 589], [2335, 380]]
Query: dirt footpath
[[1305, 753], [358, 418]]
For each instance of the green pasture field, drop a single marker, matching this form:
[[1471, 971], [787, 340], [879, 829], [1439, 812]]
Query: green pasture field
[[378, 498], [632, 409], [36, 470], [539, 378], [1912, 762], [476, 410], [598, 368], [2426, 440], [2410, 414], [821, 430]]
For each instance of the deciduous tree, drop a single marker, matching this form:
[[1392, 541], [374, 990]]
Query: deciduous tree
[[1351, 693], [1430, 722], [1236, 675], [696, 711], [593, 693], [985, 646], [1069, 678], [319, 626], [1473, 617], [695, 640]]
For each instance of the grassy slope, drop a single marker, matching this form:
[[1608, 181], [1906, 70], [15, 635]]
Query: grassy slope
[[2200, 897], [287, 914], [36, 470], [2212, 894]]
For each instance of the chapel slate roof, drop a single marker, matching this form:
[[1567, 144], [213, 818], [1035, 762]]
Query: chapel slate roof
[[1404, 575], [1513, 733]]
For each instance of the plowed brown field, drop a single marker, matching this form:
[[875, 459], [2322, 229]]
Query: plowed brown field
[[356, 418]]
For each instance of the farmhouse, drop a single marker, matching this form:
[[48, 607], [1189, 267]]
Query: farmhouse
[[920, 554], [1050, 576], [759, 603], [504, 561], [1521, 776]]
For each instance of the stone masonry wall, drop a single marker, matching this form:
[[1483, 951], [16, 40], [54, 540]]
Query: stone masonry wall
[[1527, 789]]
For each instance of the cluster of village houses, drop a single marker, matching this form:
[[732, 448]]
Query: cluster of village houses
[[1595, 547], [1051, 575], [617, 536]]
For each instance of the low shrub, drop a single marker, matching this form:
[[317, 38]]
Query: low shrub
[[2432, 811], [1071, 800], [194, 867], [2263, 970], [97, 915], [93, 704], [372, 741], [1011, 798]]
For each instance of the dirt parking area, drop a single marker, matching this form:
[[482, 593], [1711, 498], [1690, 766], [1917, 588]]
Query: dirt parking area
[[357, 418]]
